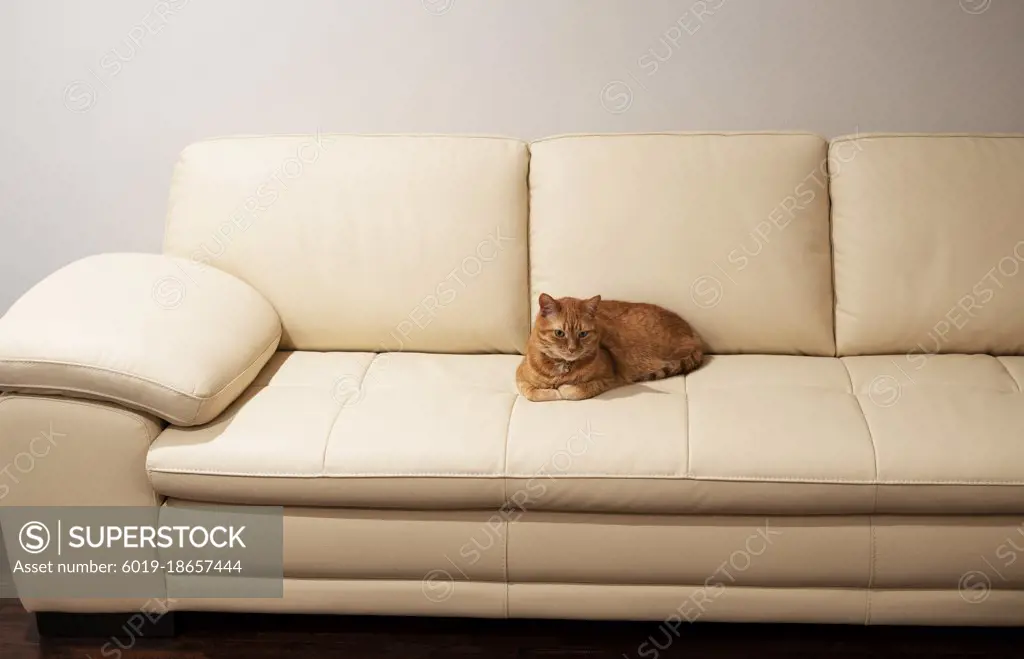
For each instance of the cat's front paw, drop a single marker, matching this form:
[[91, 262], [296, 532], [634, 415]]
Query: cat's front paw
[[573, 392], [542, 395]]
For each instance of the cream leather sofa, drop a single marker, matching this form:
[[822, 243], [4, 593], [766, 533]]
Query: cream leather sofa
[[335, 323]]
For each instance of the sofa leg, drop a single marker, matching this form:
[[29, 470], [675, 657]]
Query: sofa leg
[[123, 627]]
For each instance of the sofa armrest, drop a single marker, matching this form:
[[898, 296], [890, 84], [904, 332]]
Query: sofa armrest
[[175, 338]]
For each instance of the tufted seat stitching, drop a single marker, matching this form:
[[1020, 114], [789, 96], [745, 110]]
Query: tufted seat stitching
[[689, 444], [341, 407], [867, 427], [504, 460], [686, 474]]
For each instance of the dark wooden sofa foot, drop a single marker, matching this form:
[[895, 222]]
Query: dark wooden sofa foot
[[122, 628]]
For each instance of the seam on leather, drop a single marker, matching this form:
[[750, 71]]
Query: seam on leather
[[1006, 368], [746, 387], [102, 369], [124, 374], [469, 136], [529, 241], [689, 438], [93, 395], [504, 563], [871, 568], [867, 427], [151, 437], [874, 551], [938, 384], [504, 464], [832, 261], [12, 395], [341, 407], [885, 136], [83, 403], [764, 133], [666, 477]]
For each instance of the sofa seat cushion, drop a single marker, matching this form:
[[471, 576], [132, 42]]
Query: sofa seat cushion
[[745, 434]]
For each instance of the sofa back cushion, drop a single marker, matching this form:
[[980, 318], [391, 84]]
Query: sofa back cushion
[[729, 230], [365, 242], [928, 234]]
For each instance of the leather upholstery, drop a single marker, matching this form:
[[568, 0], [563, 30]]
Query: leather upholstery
[[427, 231], [929, 244], [677, 606], [728, 230], [356, 597], [155, 333], [786, 552], [846, 569], [745, 434], [674, 606], [59, 451], [338, 543]]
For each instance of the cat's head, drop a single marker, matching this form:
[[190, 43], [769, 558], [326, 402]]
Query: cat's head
[[566, 328]]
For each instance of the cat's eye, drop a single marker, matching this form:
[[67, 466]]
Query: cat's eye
[[583, 335], [559, 333]]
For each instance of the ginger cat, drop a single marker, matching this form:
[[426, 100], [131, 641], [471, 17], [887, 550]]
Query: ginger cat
[[581, 348]]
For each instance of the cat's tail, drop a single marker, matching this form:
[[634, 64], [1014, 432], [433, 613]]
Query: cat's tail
[[692, 361], [687, 364]]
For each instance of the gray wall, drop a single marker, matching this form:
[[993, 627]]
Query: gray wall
[[98, 98]]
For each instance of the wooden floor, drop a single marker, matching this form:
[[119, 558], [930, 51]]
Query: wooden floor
[[204, 636]]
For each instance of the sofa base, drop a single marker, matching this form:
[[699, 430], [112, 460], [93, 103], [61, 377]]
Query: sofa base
[[675, 605], [55, 624], [878, 569]]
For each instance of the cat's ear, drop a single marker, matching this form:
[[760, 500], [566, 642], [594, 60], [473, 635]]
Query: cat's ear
[[590, 306], [548, 305]]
